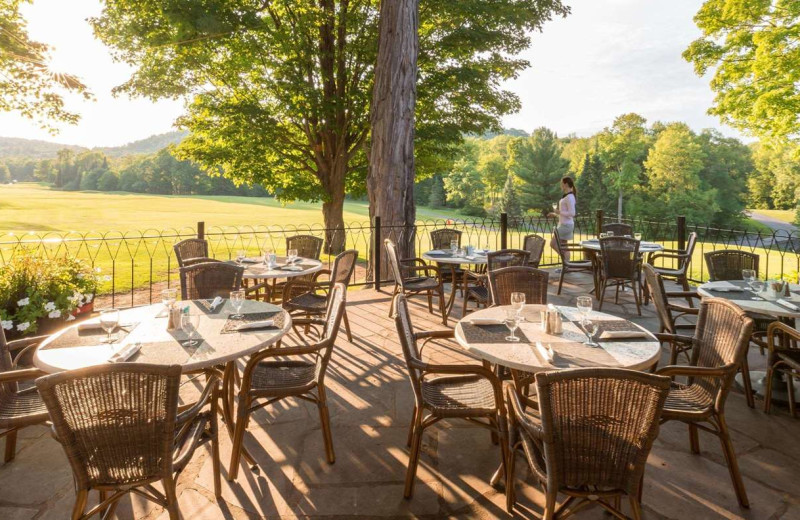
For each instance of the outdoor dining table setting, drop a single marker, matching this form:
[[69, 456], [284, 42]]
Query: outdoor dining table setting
[[264, 271], [453, 258]]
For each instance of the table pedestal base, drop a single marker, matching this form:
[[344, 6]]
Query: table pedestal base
[[780, 389]]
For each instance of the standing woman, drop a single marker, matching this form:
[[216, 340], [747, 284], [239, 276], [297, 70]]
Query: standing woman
[[565, 211]]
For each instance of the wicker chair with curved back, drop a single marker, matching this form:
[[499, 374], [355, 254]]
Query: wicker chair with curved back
[[568, 264], [591, 437], [718, 346], [121, 432], [476, 286], [456, 391], [311, 299], [668, 312], [307, 246], [19, 407], [277, 373], [430, 283], [681, 259], [784, 358], [440, 239], [620, 266], [727, 264], [618, 228], [534, 245], [528, 280], [192, 251], [209, 280]]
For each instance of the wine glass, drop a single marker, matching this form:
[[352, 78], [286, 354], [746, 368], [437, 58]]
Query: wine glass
[[266, 255], [756, 286], [584, 306], [637, 236], [453, 247], [590, 328], [109, 319], [291, 256], [512, 322], [240, 256], [748, 275], [168, 297], [189, 324], [518, 303], [237, 300]]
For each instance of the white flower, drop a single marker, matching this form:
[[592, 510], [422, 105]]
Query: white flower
[[107, 278], [50, 306], [22, 303], [54, 314], [7, 324], [89, 298], [70, 317], [76, 297], [96, 269], [22, 327]]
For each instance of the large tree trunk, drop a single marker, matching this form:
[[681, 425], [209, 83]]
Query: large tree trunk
[[390, 181], [335, 238]]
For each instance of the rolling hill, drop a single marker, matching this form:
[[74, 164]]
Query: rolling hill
[[37, 149]]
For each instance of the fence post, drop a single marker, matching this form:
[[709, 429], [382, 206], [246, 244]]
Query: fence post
[[201, 230], [376, 253], [599, 221], [503, 230], [681, 232]]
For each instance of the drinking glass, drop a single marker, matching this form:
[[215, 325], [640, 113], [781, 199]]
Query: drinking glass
[[518, 303], [189, 324], [584, 306], [240, 256], [109, 319], [748, 275], [453, 247], [291, 255], [237, 300], [756, 286], [168, 297], [512, 322], [590, 328], [555, 207], [637, 236], [266, 253]]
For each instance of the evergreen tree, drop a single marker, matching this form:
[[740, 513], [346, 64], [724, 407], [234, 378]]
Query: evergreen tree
[[538, 164], [436, 199], [509, 204], [591, 185]]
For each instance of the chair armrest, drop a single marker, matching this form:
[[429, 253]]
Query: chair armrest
[[669, 256], [476, 370], [194, 410], [22, 343], [24, 374], [198, 260], [683, 294], [691, 371], [517, 412], [683, 310], [774, 330], [415, 259], [321, 272], [308, 321], [433, 334], [675, 338], [425, 268]]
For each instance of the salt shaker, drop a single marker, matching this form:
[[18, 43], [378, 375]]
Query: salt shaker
[[174, 319]]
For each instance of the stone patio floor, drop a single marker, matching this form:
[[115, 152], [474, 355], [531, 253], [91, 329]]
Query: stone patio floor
[[371, 405]]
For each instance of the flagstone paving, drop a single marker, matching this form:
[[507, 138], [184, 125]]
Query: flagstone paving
[[371, 405]]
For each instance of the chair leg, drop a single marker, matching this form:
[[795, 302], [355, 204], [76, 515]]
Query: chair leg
[[442, 305], [238, 438], [81, 498], [214, 430], [411, 427], [636, 297], [347, 325], [602, 294], [11, 445], [430, 302], [561, 278], [391, 301], [768, 390], [325, 419], [413, 458], [172, 499], [733, 465], [694, 439], [636, 508], [790, 388], [466, 301], [511, 498], [550, 504], [748, 386]]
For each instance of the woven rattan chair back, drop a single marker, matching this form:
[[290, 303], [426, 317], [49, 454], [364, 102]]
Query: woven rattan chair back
[[6, 364], [185, 250], [209, 280], [408, 342], [599, 425], [528, 280], [307, 246], [506, 258], [115, 422], [394, 261], [727, 264], [333, 319], [620, 257], [721, 339], [618, 228], [343, 267], [690, 245], [534, 245], [659, 295], [441, 238]]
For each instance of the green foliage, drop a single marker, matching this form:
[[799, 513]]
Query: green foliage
[[510, 202], [108, 181], [463, 184], [751, 47], [727, 164], [623, 148], [776, 183], [592, 187], [539, 166], [436, 197]]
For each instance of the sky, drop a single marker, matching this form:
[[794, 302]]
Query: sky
[[605, 59]]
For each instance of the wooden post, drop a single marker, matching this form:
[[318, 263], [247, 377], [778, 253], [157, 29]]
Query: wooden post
[[503, 230], [377, 248], [681, 232], [599, 220], [201, 230]]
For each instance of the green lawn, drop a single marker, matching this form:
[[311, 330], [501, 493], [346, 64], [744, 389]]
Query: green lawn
[[784, 215]]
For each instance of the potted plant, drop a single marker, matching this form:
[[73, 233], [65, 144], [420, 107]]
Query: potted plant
[[38, 294]]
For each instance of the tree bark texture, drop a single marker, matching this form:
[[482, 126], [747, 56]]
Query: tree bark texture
[[390, 180]]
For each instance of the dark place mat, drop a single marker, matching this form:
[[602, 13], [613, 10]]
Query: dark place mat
[[619, 326], [253, 260], [490, 333], [84, 338], [231, 324], [746, 294]]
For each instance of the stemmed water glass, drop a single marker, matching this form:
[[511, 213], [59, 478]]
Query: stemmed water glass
[[189, 324], [589, 327], [512, 322], [748, 275], [168, 297], [109, 319], [518, 303], [291, 256], [266, 256], [453, 247], [240, 256], [756, 286], [237, 300]]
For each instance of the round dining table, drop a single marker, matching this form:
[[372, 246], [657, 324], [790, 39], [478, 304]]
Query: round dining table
[[593, 244], [264, 276], [452, 261], [218, 342]]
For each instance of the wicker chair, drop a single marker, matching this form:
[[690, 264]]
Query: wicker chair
[[310, 299], [528, 280], [476, 286], [209, 280], [620, 266], [307, 246], [120, 429], [669, 313], [430, 284], [191, 251], [534, 245], [570, 266], [267, 379], [440, 239], [591, 439], [446, 392], [784, 358], [618, 228], [719, 345], [18, 407], [679, 273]]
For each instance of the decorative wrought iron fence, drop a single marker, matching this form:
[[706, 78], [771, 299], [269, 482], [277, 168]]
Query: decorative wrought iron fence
[[134, 266]]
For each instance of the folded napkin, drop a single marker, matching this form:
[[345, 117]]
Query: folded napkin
[[255, 325], [252, 261], [545, 353], [291, 267], [470, 257], [214, 303], [486, 321], [89, 326], [126, 353], [788, 304], [622, 334], [726, 287]]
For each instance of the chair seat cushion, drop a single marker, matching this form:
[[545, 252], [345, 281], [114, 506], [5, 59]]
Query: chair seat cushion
[[458, 395], [687, 400], [307, 302], [281, 376], [420, 283], [22, 409]]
